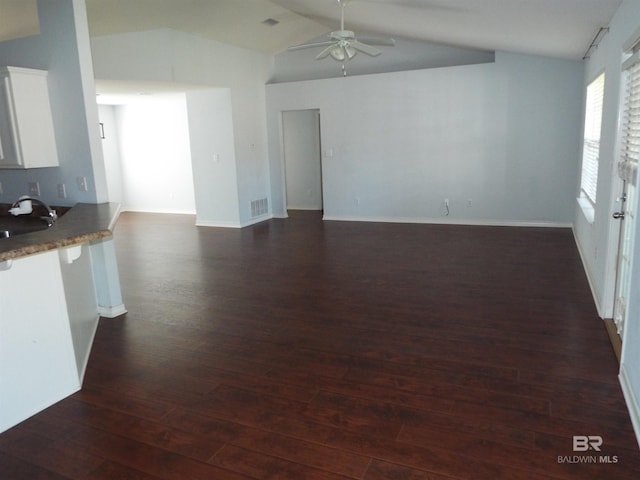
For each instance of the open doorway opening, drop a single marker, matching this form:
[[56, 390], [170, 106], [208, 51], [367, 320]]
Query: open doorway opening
[[303, 160], [147, 155]]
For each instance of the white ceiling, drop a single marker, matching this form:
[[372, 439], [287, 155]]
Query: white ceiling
[[18, 18], [557, 28]]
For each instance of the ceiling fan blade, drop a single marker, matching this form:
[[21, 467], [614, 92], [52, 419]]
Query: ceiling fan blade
[[326, 52], [310, 45], [364, 48], [350, 51], [379, 41]]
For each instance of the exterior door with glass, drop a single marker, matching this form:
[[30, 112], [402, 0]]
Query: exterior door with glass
[[628, 172]]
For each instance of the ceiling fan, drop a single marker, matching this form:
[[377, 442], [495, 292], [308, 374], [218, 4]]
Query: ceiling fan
[[343, 44]]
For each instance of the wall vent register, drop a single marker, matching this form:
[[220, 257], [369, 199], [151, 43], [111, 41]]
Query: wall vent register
[[259, 207]]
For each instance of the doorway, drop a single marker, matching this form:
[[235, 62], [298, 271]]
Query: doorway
[[627, 175], [302, 159], [146, 150]]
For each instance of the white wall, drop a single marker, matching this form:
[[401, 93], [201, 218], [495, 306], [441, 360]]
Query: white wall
[[171, 56], [151, 159], [213, 146], [62, 48], [504, 136], [598, 241], [111, 153]]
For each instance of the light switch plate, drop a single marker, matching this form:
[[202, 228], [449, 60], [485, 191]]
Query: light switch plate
[[34, 189], [82, 183]]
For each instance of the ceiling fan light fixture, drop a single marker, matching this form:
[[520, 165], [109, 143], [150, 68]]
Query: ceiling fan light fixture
[[343, 52], [338, 53], [343, 44]]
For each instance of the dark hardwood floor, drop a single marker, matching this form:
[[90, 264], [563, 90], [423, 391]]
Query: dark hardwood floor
[[301, 349]]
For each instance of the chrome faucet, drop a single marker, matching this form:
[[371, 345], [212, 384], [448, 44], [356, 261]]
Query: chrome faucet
[[23, 206]]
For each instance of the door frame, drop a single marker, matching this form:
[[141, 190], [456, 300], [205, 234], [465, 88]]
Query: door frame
[[283, 159], [615, 232]]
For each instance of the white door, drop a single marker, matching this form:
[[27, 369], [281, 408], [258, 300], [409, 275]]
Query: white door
[[628, 172]]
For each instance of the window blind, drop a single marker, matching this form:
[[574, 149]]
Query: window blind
[[591, 145], [630, 133]]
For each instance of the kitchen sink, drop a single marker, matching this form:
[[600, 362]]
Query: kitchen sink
[[10, 227]]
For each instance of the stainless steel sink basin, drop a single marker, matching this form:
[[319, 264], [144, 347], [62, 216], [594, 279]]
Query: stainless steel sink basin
[[10, 227]]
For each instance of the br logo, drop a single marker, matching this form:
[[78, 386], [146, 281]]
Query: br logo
[[583, 443]]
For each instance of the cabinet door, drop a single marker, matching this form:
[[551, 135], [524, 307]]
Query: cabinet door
[[27, 135], [34, 133], [8, 147]]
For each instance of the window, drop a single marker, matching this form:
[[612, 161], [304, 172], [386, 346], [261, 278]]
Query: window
[[591, 146]]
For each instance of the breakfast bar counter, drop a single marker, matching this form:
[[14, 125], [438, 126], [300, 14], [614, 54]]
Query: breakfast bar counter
[[55, 284], [84, 222]]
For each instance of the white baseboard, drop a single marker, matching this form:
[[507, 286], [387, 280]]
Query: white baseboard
[[158, 210], [260, 219], [436, 221], [308, 209], [447, 221], [112, 312], [253, 221], [632, 401], [218, 224]]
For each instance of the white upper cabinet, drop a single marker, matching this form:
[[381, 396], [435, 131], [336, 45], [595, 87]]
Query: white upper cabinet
[[27, 138]]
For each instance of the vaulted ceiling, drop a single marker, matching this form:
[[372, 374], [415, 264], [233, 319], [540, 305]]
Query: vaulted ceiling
[[557, 28]]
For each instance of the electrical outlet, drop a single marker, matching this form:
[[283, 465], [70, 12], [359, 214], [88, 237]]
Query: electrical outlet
[[34, 189], [82, 183], [62, 190], [469, 203]]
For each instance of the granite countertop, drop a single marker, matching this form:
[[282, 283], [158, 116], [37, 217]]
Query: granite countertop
[[84, 222]]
